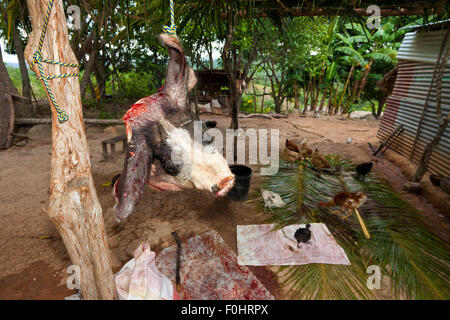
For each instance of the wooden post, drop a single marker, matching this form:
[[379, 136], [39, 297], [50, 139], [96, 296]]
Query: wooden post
[[74, 207]]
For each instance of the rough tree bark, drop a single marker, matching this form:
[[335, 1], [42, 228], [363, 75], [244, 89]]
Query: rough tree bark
[[263, 95], [26, 86], [74, 207], [4, 77], [295, 88], [345, 88], [6, 106]]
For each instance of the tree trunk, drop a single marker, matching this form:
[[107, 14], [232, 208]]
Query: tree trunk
[[307, 92], [381, 102], [278, 104], [330, 99], [295, 88], [86, 79], [236, 99], [318, 89], [264, 95], [4, 77], [74, 207], [210, 54], [313, 96], [316, 97], [345, 88], [351, 97], [101, 79], [254, 96], [428, 151], [372, 107], [322, 101], [6, 106], [364, 79], [26, 86]]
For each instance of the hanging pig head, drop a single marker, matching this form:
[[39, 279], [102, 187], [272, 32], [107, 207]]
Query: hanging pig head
[[159, 127]]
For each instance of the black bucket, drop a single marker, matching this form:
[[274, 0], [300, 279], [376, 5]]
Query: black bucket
[[243, 174]]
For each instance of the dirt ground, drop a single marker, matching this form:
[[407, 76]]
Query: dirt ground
[[33, 259]]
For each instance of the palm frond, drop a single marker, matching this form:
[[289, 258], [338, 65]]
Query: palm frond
[[415, 260]]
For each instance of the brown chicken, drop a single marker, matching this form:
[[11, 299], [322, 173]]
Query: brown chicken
[[290, 156], [291, 152], [305, 151], [346, 201], [292, 146], [319, 161]]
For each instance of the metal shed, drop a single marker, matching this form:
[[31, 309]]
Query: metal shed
[[417, 60]]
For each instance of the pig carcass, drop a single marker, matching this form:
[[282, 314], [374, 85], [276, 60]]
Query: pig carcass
[[159, 127]]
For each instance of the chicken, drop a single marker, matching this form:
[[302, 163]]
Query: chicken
[[211, 124], [362, 169], [303, 235], [290, 156], [305, 151], [346, 201], [292, 146], [271, 200], [291, 152], [319, 161]]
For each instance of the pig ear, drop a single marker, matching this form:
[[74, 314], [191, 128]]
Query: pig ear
[[177, 62], [192, 79], [129, 187]]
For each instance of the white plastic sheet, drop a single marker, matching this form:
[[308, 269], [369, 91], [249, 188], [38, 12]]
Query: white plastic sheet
[[140, 279]]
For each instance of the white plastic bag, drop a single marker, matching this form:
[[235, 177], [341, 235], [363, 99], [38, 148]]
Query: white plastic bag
[[140, 279]]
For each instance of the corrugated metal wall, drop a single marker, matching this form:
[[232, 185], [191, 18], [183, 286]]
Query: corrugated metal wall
[[417, 57], [421, 46]]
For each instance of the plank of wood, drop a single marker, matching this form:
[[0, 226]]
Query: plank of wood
[[115, 139], [86, 121]]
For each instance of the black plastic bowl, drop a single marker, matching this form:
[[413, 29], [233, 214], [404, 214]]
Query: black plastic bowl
[[243, 174]]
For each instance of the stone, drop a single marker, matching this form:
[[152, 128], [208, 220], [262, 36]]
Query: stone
[[164, 245], [133, 246], [115, 261], [362, 115], [114, 242], [40, 132]]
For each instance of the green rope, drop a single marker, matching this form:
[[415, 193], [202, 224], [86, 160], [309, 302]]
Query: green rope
[[37, 59], [172, 29]]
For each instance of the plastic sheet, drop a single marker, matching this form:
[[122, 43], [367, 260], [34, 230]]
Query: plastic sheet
[[258, 246]]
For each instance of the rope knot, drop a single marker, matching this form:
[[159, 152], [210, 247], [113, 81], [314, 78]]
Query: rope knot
[[37, 56], [172, 29], [62, 116]]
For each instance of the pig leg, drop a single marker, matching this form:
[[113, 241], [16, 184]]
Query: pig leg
[[129, 187]]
